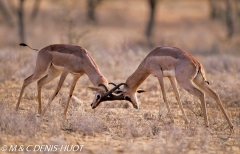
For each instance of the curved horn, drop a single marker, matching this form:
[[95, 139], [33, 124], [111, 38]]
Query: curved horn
[[113, 98], [113, 89], [103, 85], [113, 83]]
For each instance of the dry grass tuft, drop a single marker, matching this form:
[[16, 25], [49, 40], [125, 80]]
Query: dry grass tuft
[[13, 123], [85, 123]]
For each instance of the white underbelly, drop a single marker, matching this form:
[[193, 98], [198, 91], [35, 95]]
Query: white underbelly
[[169, 73]]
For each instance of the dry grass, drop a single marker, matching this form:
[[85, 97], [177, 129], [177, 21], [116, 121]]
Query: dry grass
[[118, 45]]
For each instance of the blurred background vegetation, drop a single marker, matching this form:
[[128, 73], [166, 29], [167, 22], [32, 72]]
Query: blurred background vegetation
[[206, 26]]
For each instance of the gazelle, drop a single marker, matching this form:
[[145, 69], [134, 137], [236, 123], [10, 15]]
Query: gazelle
[[64, 58], [175, 64]]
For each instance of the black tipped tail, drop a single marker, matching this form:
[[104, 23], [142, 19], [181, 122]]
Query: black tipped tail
[[23, 44]]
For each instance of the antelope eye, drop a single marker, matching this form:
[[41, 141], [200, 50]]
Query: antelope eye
[[128, 98], [98, 97]]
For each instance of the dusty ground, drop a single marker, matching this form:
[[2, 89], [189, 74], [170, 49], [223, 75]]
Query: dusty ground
[[115, 127], [118, 45]]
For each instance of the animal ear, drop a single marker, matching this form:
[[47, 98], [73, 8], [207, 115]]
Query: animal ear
[[96, 89], [140, 91]]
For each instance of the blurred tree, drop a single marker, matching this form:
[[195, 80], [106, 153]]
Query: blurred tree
[[229, 18], [6, 15], [150, 24], [215, 11], [222, 10], [35, 9], [91, 6], [20, 12], [237, 6]]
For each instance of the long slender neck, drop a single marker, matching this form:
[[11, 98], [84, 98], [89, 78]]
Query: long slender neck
[[96, 77], [136, 79], [94, 74]]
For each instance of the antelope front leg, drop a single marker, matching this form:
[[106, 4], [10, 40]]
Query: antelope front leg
[[173, 83], [160, 79], [75, 79]]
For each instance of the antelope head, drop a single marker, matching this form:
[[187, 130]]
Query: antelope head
[[116, 93], [129, 94], [103, 94]]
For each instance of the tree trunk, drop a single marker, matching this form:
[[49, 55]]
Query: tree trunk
[[5, 14], [150, 24], [229, 18], [35, 9], [92, 4], [214, 12]]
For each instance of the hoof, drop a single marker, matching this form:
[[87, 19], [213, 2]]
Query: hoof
[[231, 130]]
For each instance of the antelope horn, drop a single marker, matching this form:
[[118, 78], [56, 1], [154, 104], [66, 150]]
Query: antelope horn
[[112, 90], [103, 85], [113, 83], [113, 98]]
